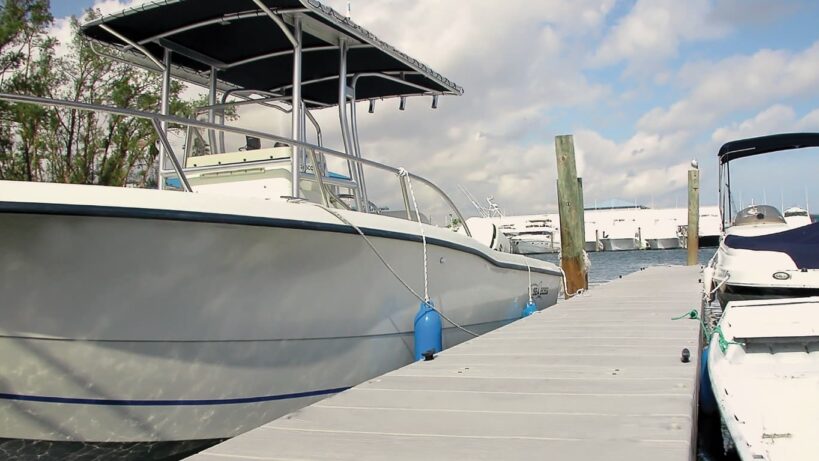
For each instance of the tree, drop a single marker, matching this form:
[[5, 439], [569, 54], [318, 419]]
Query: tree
[[26, 53], [69, 145]]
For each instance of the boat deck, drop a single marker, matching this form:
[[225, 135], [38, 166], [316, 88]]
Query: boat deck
[[597, 377]]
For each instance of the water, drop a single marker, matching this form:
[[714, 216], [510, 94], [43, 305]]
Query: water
[[610, 265]]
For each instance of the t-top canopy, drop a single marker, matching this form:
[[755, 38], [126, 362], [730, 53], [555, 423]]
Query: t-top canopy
[[764, 144], [250, 51]]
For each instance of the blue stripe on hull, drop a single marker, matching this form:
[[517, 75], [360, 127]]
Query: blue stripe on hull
[[151, 403]]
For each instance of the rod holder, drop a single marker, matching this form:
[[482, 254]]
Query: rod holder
[[372, 106], [403, 104]]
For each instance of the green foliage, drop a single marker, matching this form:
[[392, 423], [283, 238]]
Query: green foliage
[[65, 145]]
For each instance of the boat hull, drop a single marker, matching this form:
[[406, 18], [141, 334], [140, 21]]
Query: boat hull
[[668, 243], [144, 325], [526, 247], [619, 244], [764, 375]]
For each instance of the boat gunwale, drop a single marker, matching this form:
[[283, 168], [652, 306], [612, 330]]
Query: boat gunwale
[[126, 212]]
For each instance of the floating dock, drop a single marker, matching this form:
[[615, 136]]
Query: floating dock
[[597, 377]]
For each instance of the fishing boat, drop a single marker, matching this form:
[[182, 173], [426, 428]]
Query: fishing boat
[[760, 255], [254, 280], [764, 373]]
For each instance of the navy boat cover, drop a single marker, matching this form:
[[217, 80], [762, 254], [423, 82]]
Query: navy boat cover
[[801, 244]]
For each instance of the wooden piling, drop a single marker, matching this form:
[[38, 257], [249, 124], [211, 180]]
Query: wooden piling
[[571, 215], [693, 215]]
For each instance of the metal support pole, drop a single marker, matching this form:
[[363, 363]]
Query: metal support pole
[[693, 215], [345, 128], [177, 167], [164, 109], [582, 209], [212, 112], [296, 153], [357, 151]]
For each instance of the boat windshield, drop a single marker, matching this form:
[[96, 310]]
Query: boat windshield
[[795, 212], [759, 214]]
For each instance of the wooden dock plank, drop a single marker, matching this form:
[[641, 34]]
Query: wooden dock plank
[[598, 377]]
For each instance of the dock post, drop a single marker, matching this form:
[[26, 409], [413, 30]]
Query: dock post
[[693, 214], [571, 216], [582, 208]]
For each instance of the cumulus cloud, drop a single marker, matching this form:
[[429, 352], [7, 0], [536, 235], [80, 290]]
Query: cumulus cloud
[[653, 31], [528, 67], [718, 88]]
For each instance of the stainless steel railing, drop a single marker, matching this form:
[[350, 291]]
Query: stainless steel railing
[[178, 170]]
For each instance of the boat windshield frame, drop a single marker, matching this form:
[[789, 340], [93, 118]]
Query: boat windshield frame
[[741, 148], [179, 171], [304, 33]]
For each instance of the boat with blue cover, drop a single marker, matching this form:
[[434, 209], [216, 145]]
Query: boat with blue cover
[[761, 255]]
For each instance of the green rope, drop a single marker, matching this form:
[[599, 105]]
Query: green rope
[[706, 332], [723, 343], [691, 315]]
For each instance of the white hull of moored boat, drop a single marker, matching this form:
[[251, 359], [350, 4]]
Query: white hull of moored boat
[[668, 243], [619, 244], [135, 315], [764, 368], [527, 246]]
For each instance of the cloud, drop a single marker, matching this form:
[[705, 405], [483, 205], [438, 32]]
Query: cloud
[[719, 88], [653, 31], [775, 119], [753, 12], [532, 70], [778, 118]]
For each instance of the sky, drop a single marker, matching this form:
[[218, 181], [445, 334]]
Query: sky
[[643, 86]]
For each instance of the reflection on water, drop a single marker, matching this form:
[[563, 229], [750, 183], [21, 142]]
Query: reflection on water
[[609, 265]]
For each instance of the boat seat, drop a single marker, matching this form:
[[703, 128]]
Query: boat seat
[[801, 244]]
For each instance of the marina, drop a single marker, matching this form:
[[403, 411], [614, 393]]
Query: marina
[[597, 377], [231, 230], [620, 228]]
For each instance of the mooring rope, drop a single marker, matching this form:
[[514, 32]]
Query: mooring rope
[[404, 174], [707, 332], [391, 269]]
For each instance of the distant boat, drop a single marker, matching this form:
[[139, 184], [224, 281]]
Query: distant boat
[[797, 217]]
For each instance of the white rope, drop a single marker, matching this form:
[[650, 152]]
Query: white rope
[[390, 268], [529, 271], [404, 174], [719, 285], [580, 291]]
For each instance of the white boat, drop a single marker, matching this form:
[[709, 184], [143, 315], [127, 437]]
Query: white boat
[[661, 234], [536, 237], [623, 235], [137, 318], [764, 373], [760, 255], [797, 217]]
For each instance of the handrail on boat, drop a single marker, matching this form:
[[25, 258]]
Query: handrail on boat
[[156, 120]]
